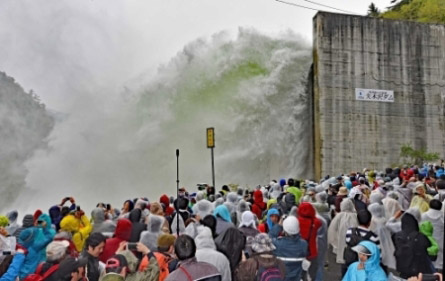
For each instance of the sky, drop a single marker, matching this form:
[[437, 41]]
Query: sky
[[67, 51]]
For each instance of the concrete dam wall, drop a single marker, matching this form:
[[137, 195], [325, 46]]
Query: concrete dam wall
[[377, 85]]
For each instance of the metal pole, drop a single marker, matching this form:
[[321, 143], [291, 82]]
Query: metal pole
[[213, 170], [177, 192]]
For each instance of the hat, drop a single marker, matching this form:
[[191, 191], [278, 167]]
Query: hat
[[56, 249], [343, 191], [166, 240], [70, 265], [116, 261], [291, 225], [262, 243], [362, 250]]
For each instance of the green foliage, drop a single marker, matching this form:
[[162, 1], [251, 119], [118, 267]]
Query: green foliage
[[373, 11], [428, 11], [418, 157]]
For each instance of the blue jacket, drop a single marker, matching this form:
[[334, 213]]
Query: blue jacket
[[13, 270], [372, 271], [41, 236], [34, 244], [291, 250]]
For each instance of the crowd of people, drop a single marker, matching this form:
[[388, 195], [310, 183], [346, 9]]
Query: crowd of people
[[379, 225]]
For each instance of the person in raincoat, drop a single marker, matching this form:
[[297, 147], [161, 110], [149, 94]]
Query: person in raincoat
[[248, 228], [13, 225], [206, 252], [154, 229], [367, 268], [344, 220], [436, 217], [272, 218], [45, 221], [99, 222], [121, 234], [223, 219], [79, 226], [29, 239], [378, 226], [421, 200]]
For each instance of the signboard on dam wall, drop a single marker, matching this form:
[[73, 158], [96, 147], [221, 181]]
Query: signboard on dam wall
[[377, 84]]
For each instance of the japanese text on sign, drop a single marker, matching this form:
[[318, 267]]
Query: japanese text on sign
[[374, 95]]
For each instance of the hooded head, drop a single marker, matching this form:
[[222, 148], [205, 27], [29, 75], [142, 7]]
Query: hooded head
[[306, 210], [321, 197], [12, 216], [135, 216], [98, 215], [282, 182], [376, 197], [204, 240], [373, 261], [258, 197], [271, 212], [376, 210], [46, 219], [70, 224], [154, 224], [203, 208], [54, 213], [243, 206], [27, 221], [165, 200], [123, 229], [248, 219], [27, 236], [347, 206], [409, 223], [222, 212], [156, 209], [232, 197]]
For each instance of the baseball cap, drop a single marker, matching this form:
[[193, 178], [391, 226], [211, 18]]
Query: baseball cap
[[362, 250], [116, 261]]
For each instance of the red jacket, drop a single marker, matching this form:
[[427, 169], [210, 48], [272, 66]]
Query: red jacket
[[166, 201], [122, 233], [258, 204], [309, 226]]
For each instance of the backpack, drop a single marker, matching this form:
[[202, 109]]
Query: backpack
[[163, 265], [268, 274], [37, 275], [163, 262], [349, 255], [406, 254]]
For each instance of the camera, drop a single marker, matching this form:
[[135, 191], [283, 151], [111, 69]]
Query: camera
[[132, 246]]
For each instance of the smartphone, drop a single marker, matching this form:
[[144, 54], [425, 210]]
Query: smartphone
[[67, 198], [132, 246], [78, 208], [108, 207], [39, 222]]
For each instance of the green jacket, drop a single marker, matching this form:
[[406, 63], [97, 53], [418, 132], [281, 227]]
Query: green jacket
[[151, 273], [297, 192], [426, 228]]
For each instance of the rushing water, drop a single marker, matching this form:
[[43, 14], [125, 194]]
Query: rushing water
[[251, 88]]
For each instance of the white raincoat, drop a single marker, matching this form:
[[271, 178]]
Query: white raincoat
[[206, 252], [344, 220]]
